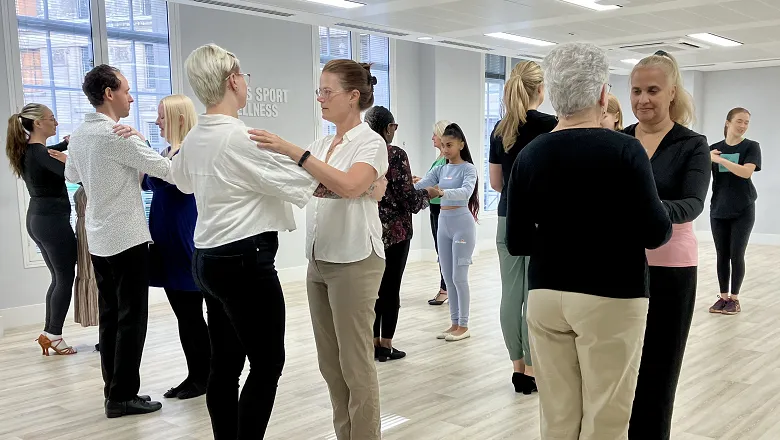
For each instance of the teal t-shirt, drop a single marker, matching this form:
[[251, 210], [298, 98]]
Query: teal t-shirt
[[439, 162]]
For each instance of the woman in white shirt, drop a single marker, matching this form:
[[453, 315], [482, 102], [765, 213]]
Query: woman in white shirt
[[344, 244], [243, 197]]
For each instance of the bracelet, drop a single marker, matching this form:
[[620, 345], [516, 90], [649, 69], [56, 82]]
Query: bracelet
[[304, 156]]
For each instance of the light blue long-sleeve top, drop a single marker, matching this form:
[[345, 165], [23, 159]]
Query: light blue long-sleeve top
[[457, 182]]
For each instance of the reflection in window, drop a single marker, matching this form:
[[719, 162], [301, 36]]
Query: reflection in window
[[495, 77]]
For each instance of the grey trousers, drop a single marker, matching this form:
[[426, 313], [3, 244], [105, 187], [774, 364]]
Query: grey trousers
[[457, 238], [514, 299]]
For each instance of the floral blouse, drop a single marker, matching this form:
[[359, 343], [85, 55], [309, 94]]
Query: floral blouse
[[401, 200]]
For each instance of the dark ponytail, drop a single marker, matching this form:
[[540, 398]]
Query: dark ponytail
[[454, 130]]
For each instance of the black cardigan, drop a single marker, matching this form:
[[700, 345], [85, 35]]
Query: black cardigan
[[681, 167]]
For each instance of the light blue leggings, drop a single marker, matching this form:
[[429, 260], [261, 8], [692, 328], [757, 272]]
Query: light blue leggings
[[457, 237]]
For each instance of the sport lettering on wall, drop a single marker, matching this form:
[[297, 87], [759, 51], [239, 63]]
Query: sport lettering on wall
[[264, 102]]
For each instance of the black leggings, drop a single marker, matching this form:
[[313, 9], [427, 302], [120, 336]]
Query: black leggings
[[57, 242], [389, 300], [731, 240], [435, 210], [672, 298]]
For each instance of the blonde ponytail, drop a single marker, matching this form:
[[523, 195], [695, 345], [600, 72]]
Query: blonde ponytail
[[681, 110], [20, 126], [520, 91]]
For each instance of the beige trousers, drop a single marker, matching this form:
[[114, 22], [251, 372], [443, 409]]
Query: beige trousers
[[341, 302], [586, 351]]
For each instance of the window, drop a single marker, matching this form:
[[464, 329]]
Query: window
[[376, 50], [495, 76], [56, 51], [335, 44], [153, 133]]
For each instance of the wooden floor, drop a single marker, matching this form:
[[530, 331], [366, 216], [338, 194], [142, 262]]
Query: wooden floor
[[730, 385]]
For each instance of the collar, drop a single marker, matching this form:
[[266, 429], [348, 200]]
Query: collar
[[98, 117], [207, 120], [351, 135]]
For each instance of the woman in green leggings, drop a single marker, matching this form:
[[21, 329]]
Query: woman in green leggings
[[523, 94]]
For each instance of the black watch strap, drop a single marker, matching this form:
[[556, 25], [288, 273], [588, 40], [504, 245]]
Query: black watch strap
[[304, 156]]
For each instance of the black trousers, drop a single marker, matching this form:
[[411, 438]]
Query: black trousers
[[246, 316], [123, 300], [731, 241], [672, 298], [57, 242], [435, 210], [193, 333], [389, 301]]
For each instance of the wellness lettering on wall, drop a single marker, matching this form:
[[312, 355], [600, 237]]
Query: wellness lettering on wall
[[263, 102]]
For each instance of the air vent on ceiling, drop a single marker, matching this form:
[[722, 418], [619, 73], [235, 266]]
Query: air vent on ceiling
[[470, 46], [668, 46], [371, 29], [526, 56], [244, 8], [765, 60]]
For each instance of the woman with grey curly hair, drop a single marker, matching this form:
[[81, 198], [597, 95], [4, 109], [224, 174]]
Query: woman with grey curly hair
[[587, 305]]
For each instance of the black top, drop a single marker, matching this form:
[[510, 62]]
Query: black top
[[583, 204], [681, 167], [45, 180], [732, 194], [536, 123]]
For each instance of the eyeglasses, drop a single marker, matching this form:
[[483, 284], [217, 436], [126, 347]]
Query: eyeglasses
[[394, 125], [327, 93], [247, 77]]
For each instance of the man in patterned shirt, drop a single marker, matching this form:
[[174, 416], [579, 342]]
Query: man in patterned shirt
[[107, 158]]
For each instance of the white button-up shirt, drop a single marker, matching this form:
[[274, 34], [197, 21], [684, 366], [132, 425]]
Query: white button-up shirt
[[108, 166], [240, 190], [347, 230]]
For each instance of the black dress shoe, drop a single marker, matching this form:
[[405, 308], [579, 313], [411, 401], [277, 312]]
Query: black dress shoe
[[143, 397], [131, 407], [192, 390], [392, 354]]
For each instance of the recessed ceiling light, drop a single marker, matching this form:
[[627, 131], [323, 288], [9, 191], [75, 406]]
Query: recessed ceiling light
[[715, 39], [591, 4], [633, 61], [425, 38], [346, 4], [519, 39]]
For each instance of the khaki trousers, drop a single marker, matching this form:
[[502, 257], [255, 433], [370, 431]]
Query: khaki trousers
[[586, 351], [341, 302]]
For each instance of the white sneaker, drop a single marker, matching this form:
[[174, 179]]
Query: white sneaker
[[451, 337]]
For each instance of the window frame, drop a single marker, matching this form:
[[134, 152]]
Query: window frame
[[355, 55], [98, 34], [484, 169]]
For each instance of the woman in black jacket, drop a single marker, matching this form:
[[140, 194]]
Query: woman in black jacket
[[681, 166]]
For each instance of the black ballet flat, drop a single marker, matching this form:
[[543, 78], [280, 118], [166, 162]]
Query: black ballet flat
[[191, 391]]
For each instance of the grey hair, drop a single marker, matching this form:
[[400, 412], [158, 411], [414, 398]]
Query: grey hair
[[575, 74], [207, 70]]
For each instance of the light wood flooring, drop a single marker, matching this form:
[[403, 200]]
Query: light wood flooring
[[729, 389]]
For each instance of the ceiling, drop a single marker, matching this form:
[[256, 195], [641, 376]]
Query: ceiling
[[647, 25]]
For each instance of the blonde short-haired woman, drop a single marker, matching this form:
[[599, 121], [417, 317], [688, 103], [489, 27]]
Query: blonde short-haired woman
[[172, 218], [243, 195], [435, 205]]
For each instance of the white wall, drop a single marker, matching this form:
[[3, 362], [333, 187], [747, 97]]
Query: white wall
[[757, 91], [18, 286]]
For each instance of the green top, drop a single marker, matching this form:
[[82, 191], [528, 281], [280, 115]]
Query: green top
[[437, 163]]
